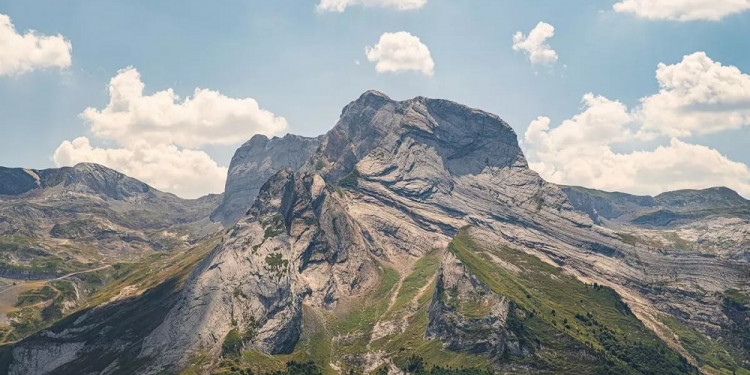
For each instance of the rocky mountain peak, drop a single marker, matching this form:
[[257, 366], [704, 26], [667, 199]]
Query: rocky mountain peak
[[90, 178], [83, 178], [253, 164], [15, 181], [466, 140]]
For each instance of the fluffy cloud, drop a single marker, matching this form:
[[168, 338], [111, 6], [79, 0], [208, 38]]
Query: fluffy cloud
[[400, 51], [682, 10], [23, 53], [534, 44], [208, 117], [187, 173], [697, 95], [341, 5], [158, 135], [602, 121], [678, 165]]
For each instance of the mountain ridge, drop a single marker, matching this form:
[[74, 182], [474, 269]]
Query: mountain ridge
[[350, 260]]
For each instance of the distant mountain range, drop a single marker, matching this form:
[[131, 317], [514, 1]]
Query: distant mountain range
[[412, 237]]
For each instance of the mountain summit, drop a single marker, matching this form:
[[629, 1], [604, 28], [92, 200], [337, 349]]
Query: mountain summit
[[253, 164], [82, 178]]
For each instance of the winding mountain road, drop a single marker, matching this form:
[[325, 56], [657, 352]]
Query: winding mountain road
[[61, 277]]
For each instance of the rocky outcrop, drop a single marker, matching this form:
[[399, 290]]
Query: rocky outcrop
[[44, 359], [253, 164], [467, 316], [297, 243]]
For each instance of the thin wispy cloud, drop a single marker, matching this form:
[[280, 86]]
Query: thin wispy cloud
[[682, 10], [341, 5]]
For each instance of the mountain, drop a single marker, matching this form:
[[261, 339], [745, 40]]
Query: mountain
[[84, 178], [415, 235], [709, 222], [662, 210], [253, 164], [86, 222]]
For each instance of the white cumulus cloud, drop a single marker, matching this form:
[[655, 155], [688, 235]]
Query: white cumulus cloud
[[400, 51], [682, 10], [208, 117], [696, 96], [341, 5], [187, 173], [158, 136], [602, 121], [22, 53], [677, 165], [534, 44]]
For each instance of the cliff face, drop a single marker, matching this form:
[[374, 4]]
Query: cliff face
[[297, 244], [416, 227], [253, 164]]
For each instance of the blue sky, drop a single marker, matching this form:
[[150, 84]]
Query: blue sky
[[304, 64]]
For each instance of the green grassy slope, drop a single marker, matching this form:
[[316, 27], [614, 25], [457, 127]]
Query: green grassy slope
[[557, 303]]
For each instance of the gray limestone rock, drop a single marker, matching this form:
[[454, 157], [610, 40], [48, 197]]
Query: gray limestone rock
[[253, 164], [467, 316]]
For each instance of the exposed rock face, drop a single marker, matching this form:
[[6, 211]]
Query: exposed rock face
[[390, 182], [297, 243], [45, 359], [461, 140], [253, 164], [466, 315], [431, 166]]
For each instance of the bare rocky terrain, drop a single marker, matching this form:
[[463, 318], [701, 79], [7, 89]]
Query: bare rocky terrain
[[415, 231], [253, 164]]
